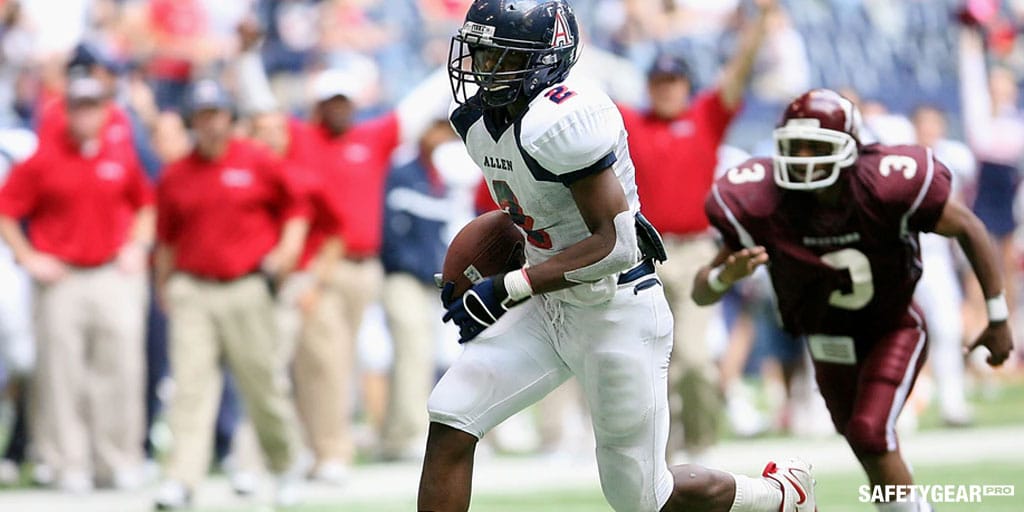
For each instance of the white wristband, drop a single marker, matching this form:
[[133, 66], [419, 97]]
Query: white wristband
[[714, 282], [517, 284], [997, 309]]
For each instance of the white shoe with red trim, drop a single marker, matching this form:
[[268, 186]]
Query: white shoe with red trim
[[794, 479]]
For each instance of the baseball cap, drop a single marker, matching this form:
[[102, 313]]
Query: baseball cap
[[85, 88], [206, 94], [87, 55], [331, 83], [668, 64]]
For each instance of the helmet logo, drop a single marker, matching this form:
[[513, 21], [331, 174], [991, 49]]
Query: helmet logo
[[562, 36], [480, 32]]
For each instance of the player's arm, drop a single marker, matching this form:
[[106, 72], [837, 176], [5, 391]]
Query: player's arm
[[611, 247], [714, 279], [41, 266], [959, 222], [18, 197], [736, 76]]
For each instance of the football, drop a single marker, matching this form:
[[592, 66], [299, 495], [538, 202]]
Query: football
[[488, 245]]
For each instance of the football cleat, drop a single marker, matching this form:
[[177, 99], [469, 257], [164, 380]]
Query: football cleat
[[795, 482]]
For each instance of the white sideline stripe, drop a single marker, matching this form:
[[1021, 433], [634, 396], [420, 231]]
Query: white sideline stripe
[[745, 238], [920, 195], [904, 389]]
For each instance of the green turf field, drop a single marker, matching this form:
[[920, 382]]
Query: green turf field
[[990, 455], [835, 493]]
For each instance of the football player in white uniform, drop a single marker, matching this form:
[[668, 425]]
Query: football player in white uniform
[[588, 304]]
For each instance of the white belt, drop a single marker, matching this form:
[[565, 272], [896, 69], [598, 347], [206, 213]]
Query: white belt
[[832, 349]]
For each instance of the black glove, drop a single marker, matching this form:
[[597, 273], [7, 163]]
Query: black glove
[[479, 308]]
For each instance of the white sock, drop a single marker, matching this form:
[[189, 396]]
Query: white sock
[[755, 495]]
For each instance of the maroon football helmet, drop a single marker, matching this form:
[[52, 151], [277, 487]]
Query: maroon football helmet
[[818, 129]]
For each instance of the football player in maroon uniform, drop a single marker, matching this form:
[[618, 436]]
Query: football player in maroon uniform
[[837, 222]]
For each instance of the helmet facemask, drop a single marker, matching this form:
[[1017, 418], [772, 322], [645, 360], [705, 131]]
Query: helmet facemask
[[502, 69], [808, 157]]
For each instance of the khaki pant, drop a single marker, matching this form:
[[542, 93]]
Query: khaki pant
[[233, 322], [412, 312], [696, 400], [324, 364], [88, 388]]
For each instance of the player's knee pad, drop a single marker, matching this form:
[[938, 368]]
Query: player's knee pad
[[623, 400], [459, 393], [867, 435], [627, 481]]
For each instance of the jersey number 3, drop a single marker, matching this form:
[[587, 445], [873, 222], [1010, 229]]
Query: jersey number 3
[[507, 201], [859, 267]]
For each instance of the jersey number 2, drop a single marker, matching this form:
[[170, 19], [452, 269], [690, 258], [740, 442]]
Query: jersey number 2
[[859, 267], [559, 94], [507, 201]]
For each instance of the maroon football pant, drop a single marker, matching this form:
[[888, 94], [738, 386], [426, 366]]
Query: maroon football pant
[[865, 398]]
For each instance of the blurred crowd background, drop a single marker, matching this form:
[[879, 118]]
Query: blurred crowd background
[[939, 72]]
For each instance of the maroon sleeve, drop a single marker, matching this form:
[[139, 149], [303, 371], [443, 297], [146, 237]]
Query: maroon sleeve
[[740, 203], [19, 195], [928, 212], [718, 217], [712, 115], [912, 185]]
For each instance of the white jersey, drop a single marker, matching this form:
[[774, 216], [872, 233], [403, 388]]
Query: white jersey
[[570, 130]]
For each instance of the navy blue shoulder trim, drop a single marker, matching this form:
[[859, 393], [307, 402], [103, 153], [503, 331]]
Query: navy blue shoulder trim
[[541, 174], [463, 117], [538, 171], [598, 166]]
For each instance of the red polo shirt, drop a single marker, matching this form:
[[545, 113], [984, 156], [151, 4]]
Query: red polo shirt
[[357, 163], [80, 207], [52, 124], [223, 216], [675, 161], [326, 202]]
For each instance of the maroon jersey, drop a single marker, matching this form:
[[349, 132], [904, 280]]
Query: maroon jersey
[[848, 270]]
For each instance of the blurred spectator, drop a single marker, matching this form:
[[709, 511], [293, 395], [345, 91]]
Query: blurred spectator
[[116, 131], [994, 128], [292, 35], [938, 292], [55, 35], [357, 154], [618, 77], [416, 211], [674, 147], [782, 71], [177, 39], [230, 226], [310, 321], [17, 347], [439, 19], [17, 342], [91, 225], [16, 40]]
